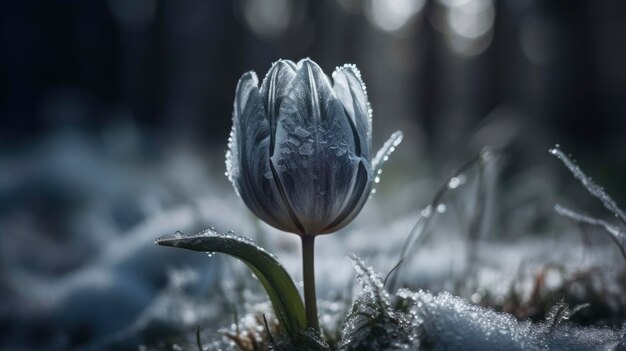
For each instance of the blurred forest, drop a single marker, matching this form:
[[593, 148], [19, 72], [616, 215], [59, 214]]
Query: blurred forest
[[114, 111], [542, 72]]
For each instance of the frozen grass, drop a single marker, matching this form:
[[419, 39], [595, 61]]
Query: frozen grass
[[615, 232]]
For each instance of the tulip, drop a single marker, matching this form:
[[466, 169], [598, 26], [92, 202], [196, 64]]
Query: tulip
[[300, 152]]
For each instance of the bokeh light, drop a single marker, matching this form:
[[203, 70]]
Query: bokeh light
[[394, 15]]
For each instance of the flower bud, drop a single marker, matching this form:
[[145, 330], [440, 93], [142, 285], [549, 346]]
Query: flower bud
[[299, 152]]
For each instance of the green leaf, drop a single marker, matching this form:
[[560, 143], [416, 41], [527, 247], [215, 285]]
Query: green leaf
[[276, 281]]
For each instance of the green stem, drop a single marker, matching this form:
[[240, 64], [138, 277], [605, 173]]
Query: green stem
[[308, 273]]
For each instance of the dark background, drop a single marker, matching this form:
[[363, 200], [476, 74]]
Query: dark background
[[556, 68]]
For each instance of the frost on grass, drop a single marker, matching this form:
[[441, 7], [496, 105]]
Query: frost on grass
[[593, 188], [484, 162], [443, 321], [372, 323], [616, 233]]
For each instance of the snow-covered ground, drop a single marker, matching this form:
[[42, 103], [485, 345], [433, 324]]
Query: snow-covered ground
[[79, 266]]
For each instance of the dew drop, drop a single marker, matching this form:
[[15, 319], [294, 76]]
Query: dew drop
[[457, 181], [427, 211], [454, 183]]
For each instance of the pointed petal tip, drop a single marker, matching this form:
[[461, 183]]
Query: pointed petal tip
[[349, 67], [308, 62], [284, 63], [250, 75]]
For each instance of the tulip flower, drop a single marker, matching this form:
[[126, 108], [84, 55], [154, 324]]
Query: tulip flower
[[300, 152]]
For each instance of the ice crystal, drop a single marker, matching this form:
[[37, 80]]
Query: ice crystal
[[372, 323]]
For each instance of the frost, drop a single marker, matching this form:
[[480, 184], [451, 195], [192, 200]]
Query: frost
[[306, 149], [112, 271], [211, 232], [372, 324], [592, 187], [388, 148], [447, 322], [618, 235]]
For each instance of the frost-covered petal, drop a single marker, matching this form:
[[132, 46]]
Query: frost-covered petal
[[311, 93], [300, 147], [314, 154], [273, 88], [247, 83], [351, 91], [357, 199], [248, 156]]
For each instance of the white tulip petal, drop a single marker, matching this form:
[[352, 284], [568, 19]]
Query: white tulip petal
[[352, 93], [246, 84], [273, 88], [314, 152], [299, 152], [248, 156], [360, 193]]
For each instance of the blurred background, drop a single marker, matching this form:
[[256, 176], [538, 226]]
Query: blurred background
[[115, 115]]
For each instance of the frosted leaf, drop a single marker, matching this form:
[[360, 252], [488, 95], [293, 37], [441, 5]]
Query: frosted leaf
[[372, 324], [370, 281], [557, 315], [211, 232], [388, 148], [592, 187], [314, 340]]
